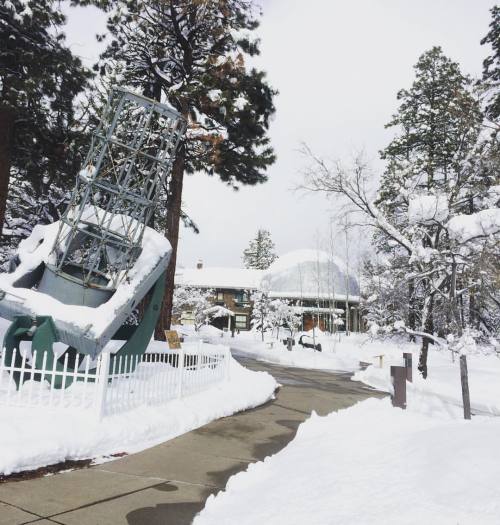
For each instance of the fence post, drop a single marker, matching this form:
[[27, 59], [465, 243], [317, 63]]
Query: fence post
[[464, 379], [398, 378], [407, 356], [102, 374], [180, 369]]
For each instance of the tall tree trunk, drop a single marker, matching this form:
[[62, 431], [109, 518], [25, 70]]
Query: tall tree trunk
[[424, 350], [174, 202], [6, 134]]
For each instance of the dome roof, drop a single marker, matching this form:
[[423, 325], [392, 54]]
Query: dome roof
[[308, 274]]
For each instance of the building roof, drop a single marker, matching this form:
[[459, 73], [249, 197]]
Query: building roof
[[310, 274], [306, 274], [219, 277]]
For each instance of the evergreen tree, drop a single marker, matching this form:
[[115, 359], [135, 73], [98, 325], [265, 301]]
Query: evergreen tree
[[261, 311], [192, 54], [438, 124], [39, 80], [491, 67], [260, 253]]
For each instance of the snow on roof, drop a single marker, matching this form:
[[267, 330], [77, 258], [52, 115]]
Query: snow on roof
[[309, 274], [218, 277], [296, 257]]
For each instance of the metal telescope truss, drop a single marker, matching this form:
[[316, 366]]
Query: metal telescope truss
[[78, 280]]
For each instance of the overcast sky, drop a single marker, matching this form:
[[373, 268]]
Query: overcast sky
[[338, 66]]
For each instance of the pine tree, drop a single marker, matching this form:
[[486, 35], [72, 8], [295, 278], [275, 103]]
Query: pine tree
[[438, 124], [39, 80], [260, 253], [491, 67], [193, 55]]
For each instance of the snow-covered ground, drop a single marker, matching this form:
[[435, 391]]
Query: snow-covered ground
[[34, 437], [375, 464], [372, 463], [345, 353], [334, 356], [443, 382]]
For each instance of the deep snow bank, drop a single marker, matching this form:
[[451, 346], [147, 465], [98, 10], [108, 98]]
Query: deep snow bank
[[31, 437], [373, 464], [443, 381]]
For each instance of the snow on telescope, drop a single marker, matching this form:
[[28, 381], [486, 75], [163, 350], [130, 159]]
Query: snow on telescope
[[87, 272]]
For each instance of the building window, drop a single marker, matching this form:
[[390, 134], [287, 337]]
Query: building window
[[220, 297], [241, 322], [241, 297]]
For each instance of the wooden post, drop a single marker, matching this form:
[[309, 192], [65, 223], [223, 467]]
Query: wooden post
[[398, 378], [289, 343], [464, 379], [407, 356]]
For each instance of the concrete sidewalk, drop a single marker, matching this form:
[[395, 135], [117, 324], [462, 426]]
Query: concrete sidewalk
[[168, 484]]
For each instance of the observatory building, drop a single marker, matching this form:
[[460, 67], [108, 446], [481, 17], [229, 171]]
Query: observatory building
[[318, 284]]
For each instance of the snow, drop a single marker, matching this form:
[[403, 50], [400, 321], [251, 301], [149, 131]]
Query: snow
[[371, 463], [219, 311], [36, 249], [292, 275], [240, 103], [250, 344], [463, 228], [214, 95], [309, 274], [443, 382], [34, 437], [428, 208], [219, 277], [296, 257], [345, 353]]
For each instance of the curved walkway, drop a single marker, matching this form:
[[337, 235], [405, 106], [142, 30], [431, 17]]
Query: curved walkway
[[168, 484]]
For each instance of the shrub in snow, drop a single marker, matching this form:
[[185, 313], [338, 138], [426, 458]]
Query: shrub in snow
[[261, 312], [197, 301]]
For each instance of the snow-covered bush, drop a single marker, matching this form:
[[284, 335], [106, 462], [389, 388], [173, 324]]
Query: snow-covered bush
[[196, 301], [261, 310], [284, 315]]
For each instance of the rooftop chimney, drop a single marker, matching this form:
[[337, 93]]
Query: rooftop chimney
[[199, 264]]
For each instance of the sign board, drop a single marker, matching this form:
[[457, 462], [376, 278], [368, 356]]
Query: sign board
[[173, 340]]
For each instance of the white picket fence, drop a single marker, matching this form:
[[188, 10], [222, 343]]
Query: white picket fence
[[111, 385]]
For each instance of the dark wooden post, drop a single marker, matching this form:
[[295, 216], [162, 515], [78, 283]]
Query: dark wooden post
[[464, 379], [407, 356], [289, 343], [398, 378]]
